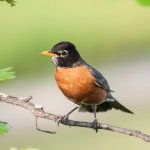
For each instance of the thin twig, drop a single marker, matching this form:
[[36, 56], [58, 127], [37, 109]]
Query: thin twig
[[46, 131], [39, 112]]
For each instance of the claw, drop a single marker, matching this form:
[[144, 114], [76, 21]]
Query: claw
[[65, 117], [95, 125]]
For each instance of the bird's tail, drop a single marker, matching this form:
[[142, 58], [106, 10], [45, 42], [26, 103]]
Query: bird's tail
[[108, 105]]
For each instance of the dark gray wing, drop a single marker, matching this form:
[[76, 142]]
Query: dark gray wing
[[100, 79], [110, 102]]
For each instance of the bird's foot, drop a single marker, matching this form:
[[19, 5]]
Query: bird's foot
[[63, 118], [95, 125], [66, 117]]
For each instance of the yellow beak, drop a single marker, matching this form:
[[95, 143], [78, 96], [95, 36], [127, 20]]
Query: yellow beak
[[47, 53]]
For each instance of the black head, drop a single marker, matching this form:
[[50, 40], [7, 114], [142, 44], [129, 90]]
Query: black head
[[66, 55]]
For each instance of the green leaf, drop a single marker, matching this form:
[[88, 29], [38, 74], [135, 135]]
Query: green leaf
[[4, 127], [144, 2], [11, 2], [7, 74]]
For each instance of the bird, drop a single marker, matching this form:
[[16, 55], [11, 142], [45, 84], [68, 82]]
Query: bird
[[81, 83]]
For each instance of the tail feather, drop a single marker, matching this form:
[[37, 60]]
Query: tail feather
[[113, 104], [105, 106]]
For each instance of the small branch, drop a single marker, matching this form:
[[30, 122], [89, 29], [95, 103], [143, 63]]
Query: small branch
[[39, 112], [46, 131]]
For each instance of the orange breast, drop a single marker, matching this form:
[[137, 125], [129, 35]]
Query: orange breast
[[78, 85]]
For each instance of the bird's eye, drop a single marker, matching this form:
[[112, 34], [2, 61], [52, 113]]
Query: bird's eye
[[64, 53]]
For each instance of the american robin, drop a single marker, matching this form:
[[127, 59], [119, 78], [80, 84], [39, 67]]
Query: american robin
[[80, 82]]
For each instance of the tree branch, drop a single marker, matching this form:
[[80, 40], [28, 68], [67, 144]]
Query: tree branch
[[39, 112]]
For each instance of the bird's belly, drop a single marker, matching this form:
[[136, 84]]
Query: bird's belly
[[78, 85]]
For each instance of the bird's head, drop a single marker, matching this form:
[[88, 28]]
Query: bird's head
[[64, 54]]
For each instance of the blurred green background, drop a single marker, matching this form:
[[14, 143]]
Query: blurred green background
[[113, 36]]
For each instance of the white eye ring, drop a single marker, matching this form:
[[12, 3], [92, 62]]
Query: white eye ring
[[64, 53]]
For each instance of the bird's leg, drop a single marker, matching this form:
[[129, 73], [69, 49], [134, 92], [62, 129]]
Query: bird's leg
[[65, 117], [70, 112], [95, 122]]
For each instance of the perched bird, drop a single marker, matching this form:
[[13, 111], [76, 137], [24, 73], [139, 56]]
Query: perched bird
[[80, 82]]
